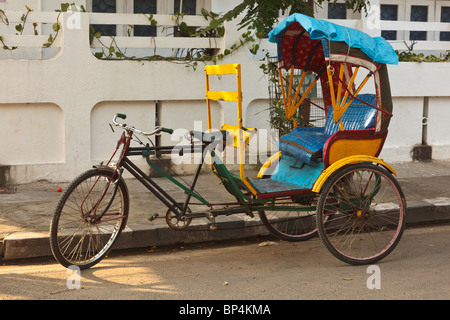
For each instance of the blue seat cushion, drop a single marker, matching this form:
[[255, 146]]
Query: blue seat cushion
[[357, 116], [304, 143]]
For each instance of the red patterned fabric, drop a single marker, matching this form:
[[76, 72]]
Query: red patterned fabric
[[304, 49]]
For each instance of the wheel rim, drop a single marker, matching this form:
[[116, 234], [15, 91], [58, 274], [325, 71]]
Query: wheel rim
[[291, 223], [81, 240], [366, 212]]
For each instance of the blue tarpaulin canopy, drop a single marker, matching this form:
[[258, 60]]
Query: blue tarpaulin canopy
[[376, 48]]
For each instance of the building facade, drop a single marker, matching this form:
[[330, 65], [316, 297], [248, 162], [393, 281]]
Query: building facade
[[56, 102]]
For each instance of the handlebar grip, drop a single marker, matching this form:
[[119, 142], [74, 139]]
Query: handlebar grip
[[122, 115], [167, 130]]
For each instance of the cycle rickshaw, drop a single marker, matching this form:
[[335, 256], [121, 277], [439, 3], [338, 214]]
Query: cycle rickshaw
[[328, 179]]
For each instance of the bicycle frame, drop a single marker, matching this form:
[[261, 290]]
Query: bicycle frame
[[244, 203]]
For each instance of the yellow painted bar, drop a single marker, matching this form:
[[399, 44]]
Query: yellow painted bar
[[208, 103], [333, 96], [292, 106], [295, 122], [341, 78], [350, 84], [273, 158], [305, 94], [221, 69], [342, 110], [208, 109], [233, 133], [223, 95], [343, 162], [240, 132], [280, 75], [291, 80]]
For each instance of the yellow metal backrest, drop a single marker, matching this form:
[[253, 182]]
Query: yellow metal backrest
[[233, 133], [235, 96]]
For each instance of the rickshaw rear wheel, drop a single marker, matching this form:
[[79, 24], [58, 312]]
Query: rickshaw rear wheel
[[294, 225], [361, 213]]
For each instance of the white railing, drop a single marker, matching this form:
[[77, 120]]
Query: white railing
[[429, 45], [46, 20], [27, 39], [432, 28], [153, 42]]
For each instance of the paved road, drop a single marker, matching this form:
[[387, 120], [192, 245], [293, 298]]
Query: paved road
[[417, 269]]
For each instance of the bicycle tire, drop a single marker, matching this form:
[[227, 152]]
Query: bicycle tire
[[290, 226], [364, 209], [76, 237]]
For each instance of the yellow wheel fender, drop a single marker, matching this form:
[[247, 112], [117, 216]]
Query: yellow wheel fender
[[272, 160], [345, 161]]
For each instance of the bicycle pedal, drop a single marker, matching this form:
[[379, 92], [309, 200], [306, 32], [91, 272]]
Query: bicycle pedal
[[153, 217], [213, 227], [210, 217]]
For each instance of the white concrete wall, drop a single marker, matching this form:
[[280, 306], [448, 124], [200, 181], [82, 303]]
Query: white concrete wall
[[438, 126], [405, 129], [55, 112], [411, 82]]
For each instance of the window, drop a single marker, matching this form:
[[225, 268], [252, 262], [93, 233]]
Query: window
[[107, 6], [445, 17], [418, 13], [189, 7], [337, 11], [389, 12], [147, 7]]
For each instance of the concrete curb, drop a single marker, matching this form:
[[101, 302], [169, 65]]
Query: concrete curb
[[22, 245]]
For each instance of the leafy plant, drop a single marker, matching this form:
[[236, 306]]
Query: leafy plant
[[21, 26], [262, 15], [408, 56]]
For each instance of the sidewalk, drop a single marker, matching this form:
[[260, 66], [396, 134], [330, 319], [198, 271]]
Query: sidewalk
[[26, 213]]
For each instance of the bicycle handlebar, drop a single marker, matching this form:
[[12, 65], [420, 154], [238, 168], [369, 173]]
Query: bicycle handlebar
[[126, 127], [167, 130]]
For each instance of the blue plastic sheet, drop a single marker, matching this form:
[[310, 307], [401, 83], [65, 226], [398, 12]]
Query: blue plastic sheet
[[376, 48]]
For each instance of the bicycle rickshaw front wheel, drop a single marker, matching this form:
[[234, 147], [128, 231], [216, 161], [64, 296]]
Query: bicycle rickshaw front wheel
[[89, 218], [361, 213]]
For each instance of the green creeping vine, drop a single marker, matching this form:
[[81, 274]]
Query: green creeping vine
[[258, 16]]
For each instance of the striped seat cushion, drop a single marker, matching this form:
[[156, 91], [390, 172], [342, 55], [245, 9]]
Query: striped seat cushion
[[306, 143]]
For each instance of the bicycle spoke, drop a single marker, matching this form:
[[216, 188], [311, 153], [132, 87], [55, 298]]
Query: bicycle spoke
[[366, 225], [88, 219]]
